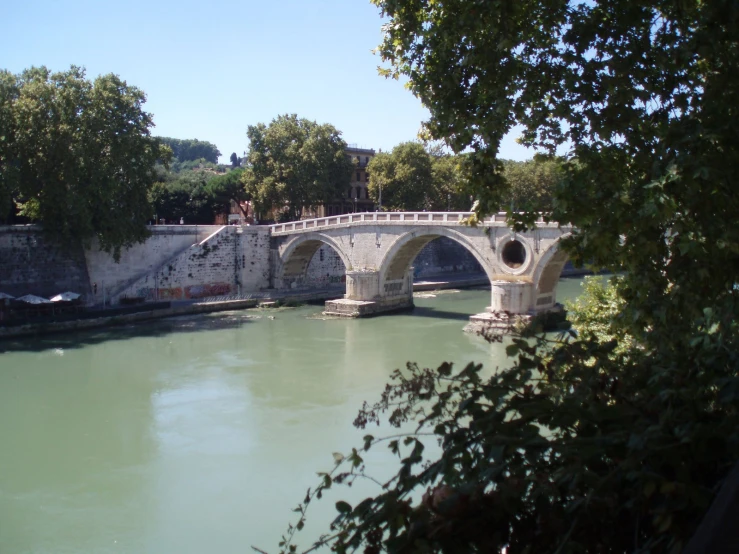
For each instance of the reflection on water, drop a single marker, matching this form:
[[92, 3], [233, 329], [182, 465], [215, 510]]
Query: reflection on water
[[199, 433]]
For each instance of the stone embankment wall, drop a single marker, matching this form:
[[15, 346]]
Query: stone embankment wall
[[175, 262], [233, 260], [109, 279], [31, 263]]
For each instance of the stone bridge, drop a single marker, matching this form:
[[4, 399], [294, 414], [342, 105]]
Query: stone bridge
[[378, 250]]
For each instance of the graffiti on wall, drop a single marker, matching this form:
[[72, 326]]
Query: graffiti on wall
[[150, 293], [211, 289], [191, 292], [147, 293]]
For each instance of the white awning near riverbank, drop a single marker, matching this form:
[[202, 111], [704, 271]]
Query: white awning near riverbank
[[33, 299], [4, 296], [65, 297]]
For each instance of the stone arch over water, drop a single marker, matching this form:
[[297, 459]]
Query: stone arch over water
[[295, 260], [547, 274], [399, 257]]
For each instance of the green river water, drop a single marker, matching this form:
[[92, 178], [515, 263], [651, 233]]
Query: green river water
[[200, 434]]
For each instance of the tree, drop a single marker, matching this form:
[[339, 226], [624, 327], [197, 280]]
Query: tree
[[450, 183], [188, 195], [228, 188], [401, 178], [235, 160], [76, 155], [192, 149], [8, 168], [295, 163], [531, 184], [617, 437]]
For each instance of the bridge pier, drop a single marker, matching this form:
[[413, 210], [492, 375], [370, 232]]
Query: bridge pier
[[511, 302], [366, 295], [511, 296]]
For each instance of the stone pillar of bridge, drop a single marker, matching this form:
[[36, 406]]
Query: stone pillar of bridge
[[366, 295], [362, 285], [516, 297], [511, 302]]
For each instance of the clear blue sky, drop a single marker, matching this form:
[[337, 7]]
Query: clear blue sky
[[211, 69]]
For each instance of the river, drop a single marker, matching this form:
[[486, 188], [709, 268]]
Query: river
[[200, 434]]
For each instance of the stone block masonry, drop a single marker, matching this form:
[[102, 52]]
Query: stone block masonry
[[31, 264], [233, 260], [371, 256], [379, 251], [175, 262], [165, 244]]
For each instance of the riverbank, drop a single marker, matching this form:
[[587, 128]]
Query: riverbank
[[432, 283], [211, 305], [38, 329]]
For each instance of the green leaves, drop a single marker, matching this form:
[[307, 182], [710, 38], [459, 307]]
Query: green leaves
[[401, 179], [78, 156], [343, 507], [192, 149], [615, 437], [295, 163]]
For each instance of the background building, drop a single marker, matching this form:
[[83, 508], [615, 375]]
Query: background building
[[355, 199]]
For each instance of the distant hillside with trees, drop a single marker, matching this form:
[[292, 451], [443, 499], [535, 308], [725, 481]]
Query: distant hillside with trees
[[192, 149]]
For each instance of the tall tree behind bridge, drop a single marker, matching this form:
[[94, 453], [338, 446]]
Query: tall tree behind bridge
[[294, 163], [531, 184], [401, 179], [76, 155]]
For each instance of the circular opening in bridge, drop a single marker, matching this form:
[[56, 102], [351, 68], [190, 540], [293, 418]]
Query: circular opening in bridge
[[514, 254]]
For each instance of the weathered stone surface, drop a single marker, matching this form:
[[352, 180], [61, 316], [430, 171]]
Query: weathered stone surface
[[30, 263], [369, 255], [388, 244], [165, 243], [345, 307], [233, 260]]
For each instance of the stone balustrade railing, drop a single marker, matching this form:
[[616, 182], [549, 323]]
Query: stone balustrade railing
[[428, 218]]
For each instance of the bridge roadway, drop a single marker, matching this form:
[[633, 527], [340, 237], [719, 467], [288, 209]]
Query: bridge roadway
[[378, 249]]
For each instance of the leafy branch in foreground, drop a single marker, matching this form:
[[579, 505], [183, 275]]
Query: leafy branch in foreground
[[617, 438], [578, 447]]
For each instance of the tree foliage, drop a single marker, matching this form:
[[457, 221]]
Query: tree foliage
[[531, 184], [192, 149], [228, 188], [450, 189], [402, 178], [616, 437], [294, 163], [414, 178], [77, 155], [189, 196]]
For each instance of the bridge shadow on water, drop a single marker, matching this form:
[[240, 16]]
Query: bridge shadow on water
[[68, 340], [424, 311]]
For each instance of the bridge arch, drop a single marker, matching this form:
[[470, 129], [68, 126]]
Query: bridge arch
[[399, 257], [547, 274], [297, 255]]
